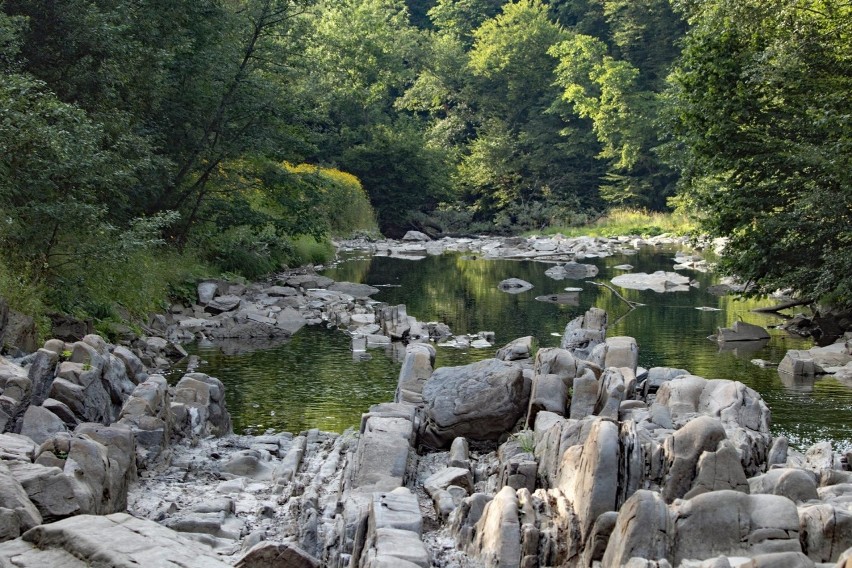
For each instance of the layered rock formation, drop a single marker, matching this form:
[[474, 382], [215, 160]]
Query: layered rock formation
[[568, 456]]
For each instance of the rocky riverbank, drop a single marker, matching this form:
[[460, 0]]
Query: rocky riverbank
[[568, 456]]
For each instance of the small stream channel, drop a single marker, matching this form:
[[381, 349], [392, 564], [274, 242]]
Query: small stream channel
[[312, 380]]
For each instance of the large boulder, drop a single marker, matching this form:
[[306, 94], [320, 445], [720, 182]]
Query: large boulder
[[416, 370], [480, 401], [731, 523]]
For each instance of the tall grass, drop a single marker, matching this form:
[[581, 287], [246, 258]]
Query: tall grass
[[625, 221]]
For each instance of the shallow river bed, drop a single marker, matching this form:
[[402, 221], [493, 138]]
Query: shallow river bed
[[313, 380]]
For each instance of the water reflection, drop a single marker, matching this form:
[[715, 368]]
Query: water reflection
[[313, 380]]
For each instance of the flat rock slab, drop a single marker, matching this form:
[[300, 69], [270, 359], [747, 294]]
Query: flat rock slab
[[658, 281], [353, 289], [572, 271], [514, 286], [118, 540]]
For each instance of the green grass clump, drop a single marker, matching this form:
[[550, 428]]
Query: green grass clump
[[624, 221], [308, 250]]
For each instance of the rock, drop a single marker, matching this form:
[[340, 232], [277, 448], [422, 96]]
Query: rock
[[459, 454], [480, 401], [548, 393], [684, 449], [397, 509], [148, 414], [41, 374], [798, 485], [416, 370], [118, 541], [276, 555], [498, 538], [641, 530], [40, 424], [446, 477], [358, 291], [51, 491], [658, 281], [101, 461], [19, 333], [206, 292], [719, 470], [225, 303], [395, 321], [621, 352], [733, 524], [290, 320], [17, 513], [199, 406], [582, 334], [584, 395], [563, 299], [132, 364], [380, 461], [589, 474], [572, 271], [16, 447], [514, 286], [416, 236], [741, 331], [515, 350], [825, 530]]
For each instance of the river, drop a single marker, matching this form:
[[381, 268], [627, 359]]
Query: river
[[313, 381]]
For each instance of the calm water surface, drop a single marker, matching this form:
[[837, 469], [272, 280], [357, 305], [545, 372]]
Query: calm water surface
[[312, 381]]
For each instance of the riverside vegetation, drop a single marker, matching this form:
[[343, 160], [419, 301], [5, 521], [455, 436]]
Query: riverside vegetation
[[143, 146]]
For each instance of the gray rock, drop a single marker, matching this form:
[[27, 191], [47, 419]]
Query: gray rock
[[40, 424], [498, 537], [641, 530], [416, 236], [514, 286], [741, 331], [719, 470], [796, 484], [584, 395], [102, 464], [548, 393], [589, 474], [583, 333], [826, 530], [622, 352], [358, 291], [403, 545], [572, 271], [118, 541], [276, 555], [133, 365], [290, 320], [17, 513], [41, 374], [733, 524], [206, 292], [459, 454], [480, 401], [16, 447], [658, 281], [199, 406], [48, 488], [448, 476], [518, 349], [416, 370], [683, 450], [397, 509], [221, 304]]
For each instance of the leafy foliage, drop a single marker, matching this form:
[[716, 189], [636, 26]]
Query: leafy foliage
[[761, 122]]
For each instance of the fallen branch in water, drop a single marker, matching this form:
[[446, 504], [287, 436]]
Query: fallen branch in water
[[782, 306], [633, 305]]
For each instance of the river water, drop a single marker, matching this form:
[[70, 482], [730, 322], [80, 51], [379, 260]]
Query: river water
[[313, 381]]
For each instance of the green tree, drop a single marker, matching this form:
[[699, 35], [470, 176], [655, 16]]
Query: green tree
[[762, 135]]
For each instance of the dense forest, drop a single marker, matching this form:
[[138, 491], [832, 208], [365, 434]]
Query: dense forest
[[146, 143]]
